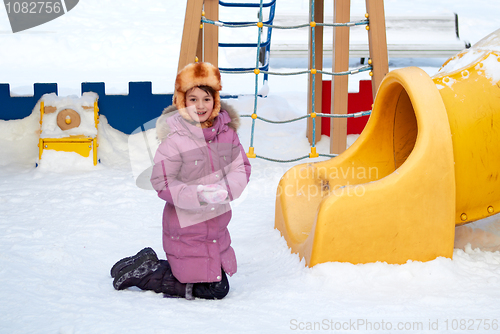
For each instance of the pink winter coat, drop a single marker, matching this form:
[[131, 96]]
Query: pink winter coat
[[195, 236]]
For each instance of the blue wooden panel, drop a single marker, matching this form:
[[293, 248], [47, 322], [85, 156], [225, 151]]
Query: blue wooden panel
[[128, 112], [17, 107]]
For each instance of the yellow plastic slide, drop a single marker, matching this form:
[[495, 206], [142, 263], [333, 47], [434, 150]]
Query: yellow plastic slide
[[427, 160]]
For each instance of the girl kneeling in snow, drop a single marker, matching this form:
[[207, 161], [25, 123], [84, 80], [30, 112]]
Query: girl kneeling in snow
[[200, 166]]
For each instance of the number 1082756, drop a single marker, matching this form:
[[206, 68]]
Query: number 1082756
[[33, 7]]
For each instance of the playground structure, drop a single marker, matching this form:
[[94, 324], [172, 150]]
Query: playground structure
[[365, 205], [69, 125], [427, 161], [129, 112], [200, 43]]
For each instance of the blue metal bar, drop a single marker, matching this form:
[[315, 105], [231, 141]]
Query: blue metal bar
[[268, 22], [239, 69], [267, 50], [243, 45], [266, 46], [247, 5]]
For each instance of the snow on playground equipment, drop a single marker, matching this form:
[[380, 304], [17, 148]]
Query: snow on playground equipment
[[69, 124], [123, 112], [201, 44], [428, 160]]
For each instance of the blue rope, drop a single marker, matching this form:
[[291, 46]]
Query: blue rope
[[251, 70], [269, 25], [353, 115], [278, 122], [353, 71], [256, 75], [313, 94], [348, 24], [295, 159]]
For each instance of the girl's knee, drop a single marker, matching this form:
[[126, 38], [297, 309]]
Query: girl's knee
[[214, 290], [220, 289]]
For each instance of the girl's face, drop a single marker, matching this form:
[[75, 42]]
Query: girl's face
[[199, 104]]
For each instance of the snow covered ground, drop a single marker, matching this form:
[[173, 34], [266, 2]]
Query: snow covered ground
[[64, 224]]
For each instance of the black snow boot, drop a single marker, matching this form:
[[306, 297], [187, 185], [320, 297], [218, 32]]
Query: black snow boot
[[163, 281], [171, 287], [146, 253], [135, 273]]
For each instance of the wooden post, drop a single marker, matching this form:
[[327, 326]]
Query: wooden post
[[318, 65], [190, 33], [211, 33], [340, 63], [377, 42]]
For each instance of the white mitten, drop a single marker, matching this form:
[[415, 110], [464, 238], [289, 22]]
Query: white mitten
[[212, 193]]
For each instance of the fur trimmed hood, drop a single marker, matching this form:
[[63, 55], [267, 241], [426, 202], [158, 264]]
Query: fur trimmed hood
[[195, 75], [163, 129]]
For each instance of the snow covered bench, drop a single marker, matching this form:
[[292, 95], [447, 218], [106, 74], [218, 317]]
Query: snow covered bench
[[407, 37], [69, 124]]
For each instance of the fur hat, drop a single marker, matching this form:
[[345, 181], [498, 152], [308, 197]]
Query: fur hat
[[194, 75]]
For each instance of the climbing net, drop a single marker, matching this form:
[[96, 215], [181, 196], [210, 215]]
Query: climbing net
[[313, 115]]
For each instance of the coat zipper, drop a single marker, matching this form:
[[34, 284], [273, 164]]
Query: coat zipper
[[210, 155]]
